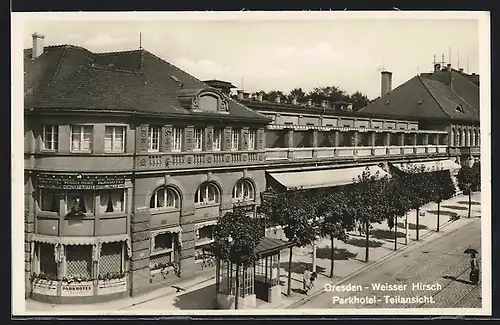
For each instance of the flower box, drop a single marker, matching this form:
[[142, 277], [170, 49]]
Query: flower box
[[77, 289], [107, 287], [45, 287]]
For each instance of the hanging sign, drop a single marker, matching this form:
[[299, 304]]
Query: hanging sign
[[79, 182]]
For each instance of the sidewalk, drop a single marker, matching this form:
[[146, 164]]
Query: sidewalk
[[349, 261]]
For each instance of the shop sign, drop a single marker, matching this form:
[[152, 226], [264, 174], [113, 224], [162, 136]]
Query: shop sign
[[80, 289], [107, 287], [45, 287], [79, 182]]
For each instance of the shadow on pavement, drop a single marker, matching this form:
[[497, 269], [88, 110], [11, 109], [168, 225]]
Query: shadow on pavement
[[203, 298], [467, 202], [444, 213], [300, 267], [338, 254], [413, 226], [362, 242], [455, 207], [454, 278], [386, 234]]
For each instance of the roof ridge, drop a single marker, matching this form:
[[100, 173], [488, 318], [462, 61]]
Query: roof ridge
[[102, 67], [117, 52], [59, 64], [432, 95]]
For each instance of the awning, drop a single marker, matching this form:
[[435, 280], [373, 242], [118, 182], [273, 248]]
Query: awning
[[433, 165], [173, 230], [323, 178], [270, 246], [205, 224], [79, 240]]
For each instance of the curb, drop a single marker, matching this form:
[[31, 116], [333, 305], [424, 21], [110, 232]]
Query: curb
[[363, 269]]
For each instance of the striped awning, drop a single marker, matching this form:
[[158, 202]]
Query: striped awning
[[205, 224], [323, 178], [176, 229], [84, 240], [433, 165]]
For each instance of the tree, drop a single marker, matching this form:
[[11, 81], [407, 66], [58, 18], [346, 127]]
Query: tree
[[441, 188], [236, 237], [297, 93], [332, 93], [358, 100], [368, 201], [469, 180], [398, 199], [337, 214], [293, 211]]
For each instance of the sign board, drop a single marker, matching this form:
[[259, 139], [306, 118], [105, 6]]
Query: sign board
[[44, 287], [81, 289], [79, 182], [111, 286]]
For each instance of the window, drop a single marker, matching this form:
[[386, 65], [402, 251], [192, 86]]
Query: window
[[217, 139], [459, 108], [154, 139], [235, 139], [164, 197], [198, 140], [114, 139], [49, 200], [207, 193], [177, 139], [84, 201], [81, 138], [79, 261], [162, 253], [111, 259], [47, 263], [50, 137], [112, 201], [251, 139], [204, 236], [243, 191]]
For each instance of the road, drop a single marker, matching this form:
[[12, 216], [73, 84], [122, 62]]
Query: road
[[440, 263]]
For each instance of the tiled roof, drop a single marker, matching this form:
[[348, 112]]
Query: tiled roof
[[68, 77], [441, 95]]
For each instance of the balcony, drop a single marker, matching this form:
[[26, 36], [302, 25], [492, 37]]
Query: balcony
[[287, 154], [158, 161], [473, 150]]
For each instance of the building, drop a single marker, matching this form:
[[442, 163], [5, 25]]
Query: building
[[130, 160]]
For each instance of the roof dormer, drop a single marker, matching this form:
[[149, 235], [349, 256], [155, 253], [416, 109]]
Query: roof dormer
[[209, 100]]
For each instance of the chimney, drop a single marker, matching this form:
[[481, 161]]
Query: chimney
[[461, 70], [240, 94], [386, 82], [437, 67], [448, 67], [309, 102], [278, 99], [294, 101], [259, 97], [38, 46], [246, 96]]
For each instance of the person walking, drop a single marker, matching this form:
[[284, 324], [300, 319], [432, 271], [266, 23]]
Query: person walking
[[474, 269], [306, 281]]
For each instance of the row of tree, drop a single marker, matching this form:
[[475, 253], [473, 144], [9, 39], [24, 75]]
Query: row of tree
[[318, 94], [306, 215]]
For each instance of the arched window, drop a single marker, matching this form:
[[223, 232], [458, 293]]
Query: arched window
[[207, 193], [165, 197], [243, 191]]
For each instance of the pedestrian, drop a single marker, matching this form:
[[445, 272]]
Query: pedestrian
[[360, 227], [306, 281], [314, 275], [390, 223], [474, 269]]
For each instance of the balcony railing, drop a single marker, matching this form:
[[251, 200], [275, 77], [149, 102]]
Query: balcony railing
[[355, 152]]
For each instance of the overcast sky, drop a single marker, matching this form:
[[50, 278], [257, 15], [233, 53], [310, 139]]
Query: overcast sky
[[283, 54]]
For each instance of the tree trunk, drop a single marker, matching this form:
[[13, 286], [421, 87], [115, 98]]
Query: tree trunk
[[314, 256], [406, 229], [237, 291], [367, 241], [439, 207], [395, 233], [418, 223], [289, 290], [332, 254], [470, 203]]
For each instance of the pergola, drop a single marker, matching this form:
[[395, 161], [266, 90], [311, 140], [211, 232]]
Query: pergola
[[262, 280]]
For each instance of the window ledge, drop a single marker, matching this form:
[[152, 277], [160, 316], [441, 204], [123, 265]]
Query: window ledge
[[154, 211], [205, 242], [206, 205], [112, 215], [161, 252]]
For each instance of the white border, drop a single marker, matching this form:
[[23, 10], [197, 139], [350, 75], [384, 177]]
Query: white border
[[17, 32]]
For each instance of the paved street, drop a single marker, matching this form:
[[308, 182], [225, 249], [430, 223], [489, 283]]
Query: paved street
[[441, 263]]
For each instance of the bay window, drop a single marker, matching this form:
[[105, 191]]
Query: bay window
[[153, 139], [111, 259], [49, 200], [50, 137], [111, 201], [79, 262], [47, 265], [81, 137], [82, 201], [114, 139]]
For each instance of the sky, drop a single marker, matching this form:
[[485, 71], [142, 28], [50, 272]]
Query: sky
[[281, 54]]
